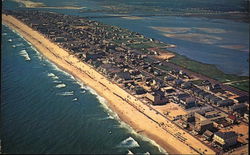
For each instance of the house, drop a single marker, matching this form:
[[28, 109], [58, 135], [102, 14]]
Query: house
[[225, 103], [225, 139], [169, 78], [139, 90], [208, 97], [92, 55], [208, 135], [202, 126], [186, 101], [205, 83], [246, 116], [60, 39], [240, 108], [157, 97], [231, 119], [123, 76], [167, 90], [188, 117], [186, 85], [242, 99], [215, 100], [178, 82]]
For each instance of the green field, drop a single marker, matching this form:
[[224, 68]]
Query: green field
[[210, 71], [241, 85]]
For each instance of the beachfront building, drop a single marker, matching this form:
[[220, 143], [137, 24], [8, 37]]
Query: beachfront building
[[208, 135], [225, 139], [157, 97], [186, 101], [202, 126]]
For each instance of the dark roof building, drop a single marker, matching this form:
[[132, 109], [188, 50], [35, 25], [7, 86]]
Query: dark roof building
[[225, 139]]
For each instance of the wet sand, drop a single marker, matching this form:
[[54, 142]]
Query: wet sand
[[132, 111]]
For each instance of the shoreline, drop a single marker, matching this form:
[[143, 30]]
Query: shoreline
[[124, 104]]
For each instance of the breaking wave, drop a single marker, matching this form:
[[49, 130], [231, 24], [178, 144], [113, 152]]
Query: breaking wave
[[69, 93], [56, 81], [75, 99], [129, 143], [20, 44], [25, 54], [62, 85], [53, 76], [106, 118], [9, 40], [130, 152]]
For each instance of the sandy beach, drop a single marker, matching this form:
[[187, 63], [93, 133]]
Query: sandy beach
[[132, 111]]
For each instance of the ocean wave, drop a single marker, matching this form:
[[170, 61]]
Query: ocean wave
[[20, 44], [9, 40], [57, 81], [75, 99], [129, 143], [69, 93], [62, 85], [83, 91], [53, 76], [25, 54], [106, 118], [103, 102], [130, 152], [14, 46], [4, 34], [144, 138]]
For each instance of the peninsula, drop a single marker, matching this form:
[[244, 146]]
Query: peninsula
[[160, 100]]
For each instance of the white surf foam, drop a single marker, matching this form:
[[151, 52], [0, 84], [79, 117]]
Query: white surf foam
[[69, 93], [129, 143], [25, 55], [147, 153], [14, 46], [130, 152], [53, 76], [62, 85], [57, 81], [106, 118], [20, 44], [75, 99], [9, 40]]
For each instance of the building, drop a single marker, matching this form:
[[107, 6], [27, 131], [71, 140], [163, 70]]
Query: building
[[157, 97], [186, 101], [242, 99], [202, 126], [240, 108], [139, 90], [231, 118], [225, 139], [123, 76], [188, 117], [225, 103], [208, 135]]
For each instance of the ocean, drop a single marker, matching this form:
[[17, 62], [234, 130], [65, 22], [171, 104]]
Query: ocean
[[46, 110]]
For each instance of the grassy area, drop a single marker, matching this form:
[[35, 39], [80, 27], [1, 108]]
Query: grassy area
[[241, 85], [197, 82], [205, 69]]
